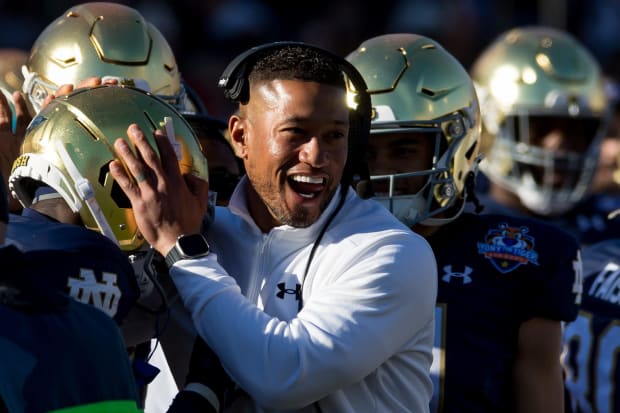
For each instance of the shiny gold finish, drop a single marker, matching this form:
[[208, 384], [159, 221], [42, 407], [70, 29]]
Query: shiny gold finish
[[85, 125], [102, 39], [531, 72], [417, 86]]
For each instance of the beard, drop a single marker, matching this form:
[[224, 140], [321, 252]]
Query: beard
[[299, 216]]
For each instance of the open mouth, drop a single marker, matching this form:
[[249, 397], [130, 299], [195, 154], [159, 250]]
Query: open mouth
[[306, 186]]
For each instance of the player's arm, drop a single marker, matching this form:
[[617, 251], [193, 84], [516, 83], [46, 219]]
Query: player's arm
[[14, 118], [537, 370], [206, 385]]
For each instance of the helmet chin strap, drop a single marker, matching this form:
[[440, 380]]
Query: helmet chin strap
[[31, 81], [85, 191]]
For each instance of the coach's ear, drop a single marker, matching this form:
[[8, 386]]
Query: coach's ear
[[237, 126]]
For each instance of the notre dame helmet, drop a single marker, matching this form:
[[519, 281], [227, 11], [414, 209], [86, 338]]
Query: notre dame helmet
[[69, 144], [106, 40], [416, 86], [528, 79]]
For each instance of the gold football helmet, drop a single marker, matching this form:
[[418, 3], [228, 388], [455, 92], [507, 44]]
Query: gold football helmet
[[105, 40], [69, 144], [530, 81], [417, 87]]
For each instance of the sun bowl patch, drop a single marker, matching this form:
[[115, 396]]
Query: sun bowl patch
[[507, 248]]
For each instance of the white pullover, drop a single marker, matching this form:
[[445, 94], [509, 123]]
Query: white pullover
[[363, 339]]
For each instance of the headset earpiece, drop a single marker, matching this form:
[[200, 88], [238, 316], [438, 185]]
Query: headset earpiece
[[234, 78], [234, 81]]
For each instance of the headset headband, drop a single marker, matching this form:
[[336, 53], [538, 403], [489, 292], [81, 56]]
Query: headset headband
[[234, 78]]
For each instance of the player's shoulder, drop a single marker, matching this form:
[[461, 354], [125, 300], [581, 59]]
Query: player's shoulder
[[506, 236], [75, 260], [543, 230], [601, 254], [609, 247], [601, 262], [35, 232]]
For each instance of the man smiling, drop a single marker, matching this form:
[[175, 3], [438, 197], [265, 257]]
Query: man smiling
[[298, 180], [313, 298]]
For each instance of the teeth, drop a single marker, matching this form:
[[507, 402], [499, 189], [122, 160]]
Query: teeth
[[306, 195], [307, 179]]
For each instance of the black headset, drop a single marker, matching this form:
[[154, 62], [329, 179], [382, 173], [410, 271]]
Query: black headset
[[234, 81]]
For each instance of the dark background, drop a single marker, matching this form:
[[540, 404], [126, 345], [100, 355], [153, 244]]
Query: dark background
[[206, 35]]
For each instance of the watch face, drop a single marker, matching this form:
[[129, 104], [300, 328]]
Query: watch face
[[193, 245]]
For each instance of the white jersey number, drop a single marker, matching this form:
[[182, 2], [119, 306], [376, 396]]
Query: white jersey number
[[602, 351]]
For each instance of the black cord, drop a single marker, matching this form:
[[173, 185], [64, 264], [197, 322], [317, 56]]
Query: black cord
[[153, 265], [470, 188], [152, 261], [343, 195]]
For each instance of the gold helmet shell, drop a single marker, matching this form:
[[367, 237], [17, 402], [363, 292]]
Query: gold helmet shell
[[102, 39], [533, 73], [69, 144], [415, 85]]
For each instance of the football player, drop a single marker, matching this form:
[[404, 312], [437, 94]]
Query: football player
[[58, 352], [504, 283], [544, 111], [106, 40], [111, 43], [62, 175], [592, 342]]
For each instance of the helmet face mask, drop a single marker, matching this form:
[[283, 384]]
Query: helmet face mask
[[105, 40], [544, 116], [68, 146], [421, 97], [547, 160], [421, 186]]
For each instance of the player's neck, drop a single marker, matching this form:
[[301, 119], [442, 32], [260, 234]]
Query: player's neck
[[58, 210], [507, 198]]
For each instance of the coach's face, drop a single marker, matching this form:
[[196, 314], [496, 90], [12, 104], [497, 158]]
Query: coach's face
[[292, 137]]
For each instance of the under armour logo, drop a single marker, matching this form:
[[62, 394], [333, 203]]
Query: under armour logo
[[449, 274], [283, 290], [103, 295]]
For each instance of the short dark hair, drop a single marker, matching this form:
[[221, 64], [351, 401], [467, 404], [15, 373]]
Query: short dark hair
[[296, 62]]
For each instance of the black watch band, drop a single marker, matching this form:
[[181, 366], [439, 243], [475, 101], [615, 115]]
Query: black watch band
[[187, 247]]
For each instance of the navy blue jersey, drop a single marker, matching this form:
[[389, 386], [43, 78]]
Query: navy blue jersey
[[587, 221], [98, 273], [592, 342], [56, 352], [495, 272]]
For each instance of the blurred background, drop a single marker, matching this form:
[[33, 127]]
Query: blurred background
[[206, 34]]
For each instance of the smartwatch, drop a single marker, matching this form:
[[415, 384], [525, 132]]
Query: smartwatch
[[187, 247]]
